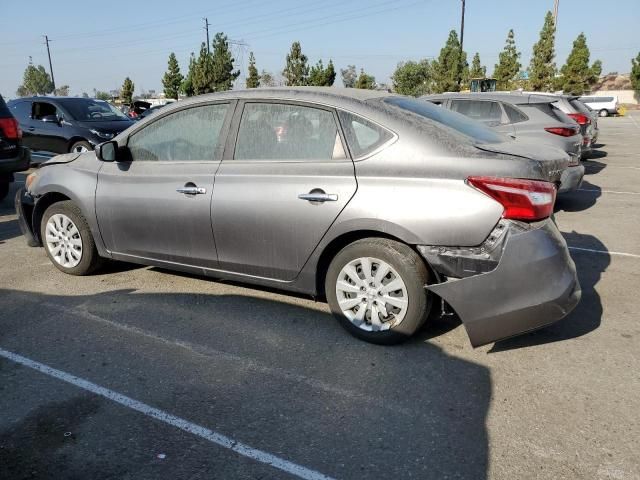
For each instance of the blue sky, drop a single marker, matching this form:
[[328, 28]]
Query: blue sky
[[98, 47]]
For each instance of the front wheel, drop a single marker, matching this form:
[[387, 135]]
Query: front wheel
[[67, 239], [375, 288], [604, 113], [80, 147]]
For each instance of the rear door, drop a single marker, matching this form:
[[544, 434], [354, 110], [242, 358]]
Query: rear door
[[285, 181], [157, 205]]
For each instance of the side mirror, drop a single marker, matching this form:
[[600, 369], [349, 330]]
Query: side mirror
[[107, 151], [50, 119]]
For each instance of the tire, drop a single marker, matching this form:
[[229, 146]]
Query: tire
[[81, 146], [74, 261], [4, 189], [603, 113], [395, 324]]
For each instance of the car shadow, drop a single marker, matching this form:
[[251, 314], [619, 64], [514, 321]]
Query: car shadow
[[578, 200], [587, 316], [429, 408], [593, 167], [594, 155]]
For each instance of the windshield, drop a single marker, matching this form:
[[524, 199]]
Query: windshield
[[477, 132], [88, 110]]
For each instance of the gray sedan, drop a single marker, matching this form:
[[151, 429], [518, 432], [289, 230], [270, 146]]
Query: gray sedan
[[533, 118], [382, 204]]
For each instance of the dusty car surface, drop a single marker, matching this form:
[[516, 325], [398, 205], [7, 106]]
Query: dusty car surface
[[380, 203]]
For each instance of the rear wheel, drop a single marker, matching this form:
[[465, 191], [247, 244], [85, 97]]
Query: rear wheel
[[67, 239], [375, 288], [80, 147], [604, 112]]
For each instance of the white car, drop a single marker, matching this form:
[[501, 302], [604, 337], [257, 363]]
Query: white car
[[605, 106]]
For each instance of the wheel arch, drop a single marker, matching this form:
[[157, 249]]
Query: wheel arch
[[41, 206], [76, 139]]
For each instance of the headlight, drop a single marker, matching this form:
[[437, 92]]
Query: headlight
[[30, 178], [102, 134]]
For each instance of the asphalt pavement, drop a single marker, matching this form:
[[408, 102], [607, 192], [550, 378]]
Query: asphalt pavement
[[140, 373]]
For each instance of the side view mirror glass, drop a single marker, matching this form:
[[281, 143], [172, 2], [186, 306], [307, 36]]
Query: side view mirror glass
[[107, 151]]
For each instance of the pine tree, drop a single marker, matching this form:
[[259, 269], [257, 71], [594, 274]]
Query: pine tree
[[413, 78], [507, 69], [222, 74], [187, 84], [126, 93], [365, 81], [577, 76], [296, 71], [451, 68], [477, 69], [253, 80], [329, 75], [172, 79], [35, 81], [635, 75], [320, 76], [542, 68], [349, 76], [202, 80]]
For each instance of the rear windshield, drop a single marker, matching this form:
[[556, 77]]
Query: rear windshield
[[551, 110], [579, 106], [475, 131]]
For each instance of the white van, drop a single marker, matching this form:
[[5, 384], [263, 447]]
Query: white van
[[605, 106]]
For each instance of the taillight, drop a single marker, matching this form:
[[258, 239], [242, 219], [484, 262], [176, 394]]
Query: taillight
[[581, 118], [562, 131], [11, 128], [521, 199]]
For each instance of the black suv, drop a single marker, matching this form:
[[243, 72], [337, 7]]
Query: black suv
[[54, 125], [13, 156]]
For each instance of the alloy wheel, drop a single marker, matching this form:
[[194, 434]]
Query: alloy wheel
[[371, 294], [80, 149], [63, 240]]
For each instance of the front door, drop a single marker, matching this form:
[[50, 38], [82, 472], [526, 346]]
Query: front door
[[288, 180], [47, 135], [158, 205]]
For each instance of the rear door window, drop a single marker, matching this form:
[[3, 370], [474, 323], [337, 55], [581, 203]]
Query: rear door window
[[363, 136], [484, 111], [279, 131]]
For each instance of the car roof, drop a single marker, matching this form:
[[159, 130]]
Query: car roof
[[514, 98]]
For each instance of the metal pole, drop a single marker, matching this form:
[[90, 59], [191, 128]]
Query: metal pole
[[53, 80], [206, 27], [555, 15], [462, 27]]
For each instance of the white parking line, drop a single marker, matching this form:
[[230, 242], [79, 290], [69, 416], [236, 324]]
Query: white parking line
[[180, 423], [604, 252], [593, 190]]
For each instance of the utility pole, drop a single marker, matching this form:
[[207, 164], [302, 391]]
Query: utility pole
[[555, 14], [206, 27], [462, 27], [53, 80]]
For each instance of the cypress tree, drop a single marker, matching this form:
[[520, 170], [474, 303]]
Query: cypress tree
[[187, 84], [477, 69], [507, 69], [329, 74], [365, 81], [296, 70], [202, 80], [172, 79], [320, 76], [577, 76], [635, 75], [126, 93], [451, 68], [253, 80], [222, 74], [542, 68]]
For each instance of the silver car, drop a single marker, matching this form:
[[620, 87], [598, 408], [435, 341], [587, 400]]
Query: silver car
[[381, 204], [529, 117]]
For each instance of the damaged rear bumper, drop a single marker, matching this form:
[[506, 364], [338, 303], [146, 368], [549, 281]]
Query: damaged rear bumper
[[523, 280]]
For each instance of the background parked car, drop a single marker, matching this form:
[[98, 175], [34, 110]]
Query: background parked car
[[523, 117], [604, 105], [53, 125], [13, 156], [370, 199]]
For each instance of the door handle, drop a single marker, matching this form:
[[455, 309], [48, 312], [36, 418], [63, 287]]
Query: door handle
[[31, 129], [318, 197], [192, 190]]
